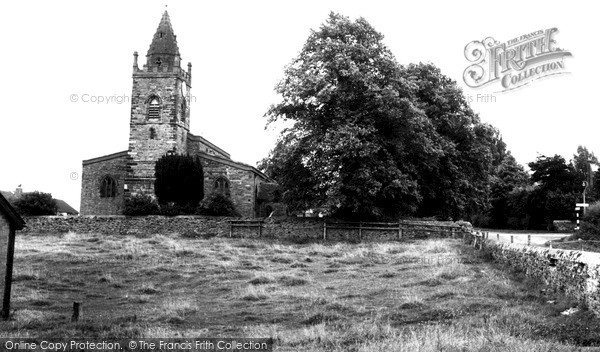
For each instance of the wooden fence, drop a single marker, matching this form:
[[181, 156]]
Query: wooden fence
[[358, 229], [258, 224]]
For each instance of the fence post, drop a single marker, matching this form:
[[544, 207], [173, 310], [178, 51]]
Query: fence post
[[511, 239], [452, 232], [529, 240], [399, 231], [360, 231], [77, 311], [497, 237], [260, 229], [231, 228], [324, 230]]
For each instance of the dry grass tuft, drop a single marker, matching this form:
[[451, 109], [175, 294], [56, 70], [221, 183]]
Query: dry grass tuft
[[254, 293]]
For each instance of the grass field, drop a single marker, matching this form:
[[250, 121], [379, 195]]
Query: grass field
[[430, 295]]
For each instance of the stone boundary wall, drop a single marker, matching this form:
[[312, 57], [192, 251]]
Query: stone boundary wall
[[129, 225], [294, 229], [575, 273]]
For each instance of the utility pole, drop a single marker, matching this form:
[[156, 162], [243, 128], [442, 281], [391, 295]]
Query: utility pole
[[584, 189]]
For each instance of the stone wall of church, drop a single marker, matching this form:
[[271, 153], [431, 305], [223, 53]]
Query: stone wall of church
[[93, 172], [242, 184]]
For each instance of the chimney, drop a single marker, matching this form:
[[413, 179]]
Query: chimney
[[18, 192]]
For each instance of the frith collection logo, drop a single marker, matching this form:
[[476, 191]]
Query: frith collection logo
[[515, 63]]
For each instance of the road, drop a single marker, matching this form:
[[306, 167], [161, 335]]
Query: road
[[537, 238]]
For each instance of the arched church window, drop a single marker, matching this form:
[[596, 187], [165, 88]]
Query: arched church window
[[152, 133], [158, 62], [153, 108], [221, 185], [108, 187]]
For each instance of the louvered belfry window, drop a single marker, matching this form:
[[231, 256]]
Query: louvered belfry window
[[154, 108]]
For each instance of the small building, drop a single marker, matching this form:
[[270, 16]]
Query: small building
[[63, 208], [10, 223]]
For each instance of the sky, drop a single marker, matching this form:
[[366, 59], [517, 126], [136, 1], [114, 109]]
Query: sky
[[61, 58]]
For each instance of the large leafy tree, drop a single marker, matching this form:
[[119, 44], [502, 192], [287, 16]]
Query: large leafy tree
[[353, 121], [371, 138], [554, 174], [458, 184], [508, 181], [35, 203], [558, 186], [582, 163]]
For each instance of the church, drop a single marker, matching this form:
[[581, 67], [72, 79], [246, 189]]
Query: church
[[159, 125]]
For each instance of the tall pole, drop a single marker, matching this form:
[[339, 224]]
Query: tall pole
[[584, 189]]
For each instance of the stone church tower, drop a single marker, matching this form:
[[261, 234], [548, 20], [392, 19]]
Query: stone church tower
[[159, 108], [160, 124]]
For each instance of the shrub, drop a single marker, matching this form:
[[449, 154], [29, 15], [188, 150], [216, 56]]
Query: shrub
[[217, 204], [35, 203], [481, 220], [140, 205], [174, 209], [590, 226], [169, 209]]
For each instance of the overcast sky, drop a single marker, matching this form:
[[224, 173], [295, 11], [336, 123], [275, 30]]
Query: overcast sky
[[53, 50]]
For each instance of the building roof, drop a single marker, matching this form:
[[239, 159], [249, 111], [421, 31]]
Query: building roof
[[11, 214], [64, 207], [194, 138], [106, 157], [165, 40], [236, 164]]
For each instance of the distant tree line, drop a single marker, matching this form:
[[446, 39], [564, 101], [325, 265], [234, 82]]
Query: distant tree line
[[521, 200]]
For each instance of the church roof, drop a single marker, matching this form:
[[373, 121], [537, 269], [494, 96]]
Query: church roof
[[193, 137], [106, 157], [165, 40], [236, 164]]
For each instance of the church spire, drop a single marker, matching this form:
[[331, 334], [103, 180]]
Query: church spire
[[163, 51]]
